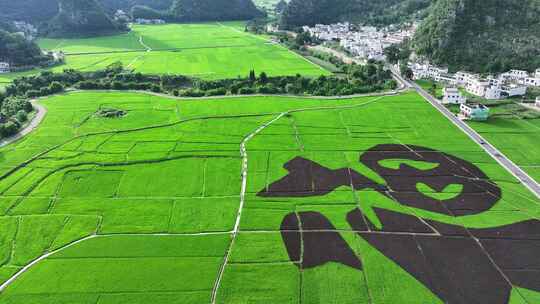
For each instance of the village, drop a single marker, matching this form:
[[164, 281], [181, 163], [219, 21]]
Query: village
[[363, 42], [513, 83], [369, 43]]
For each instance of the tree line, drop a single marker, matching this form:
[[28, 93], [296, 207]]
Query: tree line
[[15, 105]]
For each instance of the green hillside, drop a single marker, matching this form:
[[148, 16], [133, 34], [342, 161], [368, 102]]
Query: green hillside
[[482, 36], [384, 12], [80, 18], [212, 10]]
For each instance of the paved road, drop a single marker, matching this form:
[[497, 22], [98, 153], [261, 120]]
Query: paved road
[[40, 114], [521, 175]]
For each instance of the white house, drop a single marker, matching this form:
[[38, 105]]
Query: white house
[[4, 67], [149, 21], [532, 81], [493, 92], [514, 90], [518, 74], [537, 74], [453, 96], [538, 101], [483, 88], [464, 78], [476, 112]]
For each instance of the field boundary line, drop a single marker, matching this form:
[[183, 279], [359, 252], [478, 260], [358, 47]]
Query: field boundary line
[[39, 259], [94, 236], [244, 155]]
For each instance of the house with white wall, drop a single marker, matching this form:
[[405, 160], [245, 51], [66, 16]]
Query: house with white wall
[[453, 96], [483, 88], [514, 90], [477, 112], [532, 81], [4, 67], [517, 74]]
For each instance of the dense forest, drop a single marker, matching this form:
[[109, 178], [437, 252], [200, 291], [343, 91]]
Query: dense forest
[[383, 12], [482, 36]]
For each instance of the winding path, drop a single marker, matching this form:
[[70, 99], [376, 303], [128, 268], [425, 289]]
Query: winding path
[[41, 111]]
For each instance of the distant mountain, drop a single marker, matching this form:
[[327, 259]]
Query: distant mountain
[[32, 11], [381, 12], [112, 5], [77, 18], [213, 10], [482, 36]]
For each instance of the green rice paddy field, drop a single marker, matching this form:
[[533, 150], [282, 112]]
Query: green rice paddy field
[[205, 50], [518, 139], [144, 208]]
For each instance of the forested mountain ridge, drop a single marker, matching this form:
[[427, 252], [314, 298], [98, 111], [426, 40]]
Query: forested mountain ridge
[[212, 10], [481, 36], [80, 18], [93, 17], [383, 12]]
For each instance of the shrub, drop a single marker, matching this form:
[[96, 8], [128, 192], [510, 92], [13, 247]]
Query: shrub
[[216, 92], [246, 91], [55, 87], [8, 129], [21, 116]]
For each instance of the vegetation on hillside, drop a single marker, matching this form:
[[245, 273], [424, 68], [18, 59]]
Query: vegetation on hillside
[[482, 36], [211, 10], [81, 18], [385, 12], [18, 51], [33, 11], [126, 5]]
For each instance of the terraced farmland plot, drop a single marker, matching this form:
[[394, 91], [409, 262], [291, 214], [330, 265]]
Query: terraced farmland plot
[[205, 50], [260, 200]]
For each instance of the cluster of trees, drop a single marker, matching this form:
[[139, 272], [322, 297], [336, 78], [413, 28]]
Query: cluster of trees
[[18, 51], [359, 79], [13, 114], [479, 36]]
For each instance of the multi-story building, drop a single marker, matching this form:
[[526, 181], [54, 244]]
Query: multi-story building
[[483, 88]]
